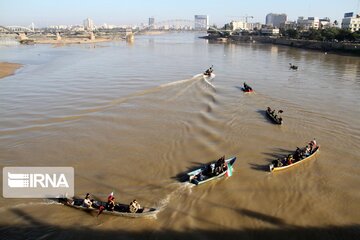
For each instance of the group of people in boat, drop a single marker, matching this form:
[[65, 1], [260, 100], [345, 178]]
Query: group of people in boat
[[293, 66], [209, 71], [134, 206], [272, 112], [247, 88], [213, 169], [298, 155]]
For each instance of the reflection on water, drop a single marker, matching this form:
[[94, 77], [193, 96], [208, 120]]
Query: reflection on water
[[130, 117]]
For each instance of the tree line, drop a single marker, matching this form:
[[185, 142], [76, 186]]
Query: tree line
[[332, 34]]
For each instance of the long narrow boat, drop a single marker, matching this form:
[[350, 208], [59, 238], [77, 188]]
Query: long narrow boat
[[208, 177], [272, 167], [275, 119], [247, 90], [119, 210]]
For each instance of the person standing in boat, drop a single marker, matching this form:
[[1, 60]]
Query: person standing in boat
[[111, 203], [209, 71]]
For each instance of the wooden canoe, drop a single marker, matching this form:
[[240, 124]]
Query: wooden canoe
[[272, 117], [272, 168], [119, 210]]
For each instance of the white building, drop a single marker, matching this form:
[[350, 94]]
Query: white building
[[238, 25], [275, 20], [351, 22], [309, 23], [201, 22], [89, 24], [270, 31], [325, 22]]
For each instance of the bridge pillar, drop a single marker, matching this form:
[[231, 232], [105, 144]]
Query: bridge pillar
[[58, 37], [129, 35], [22, 36], [92, 36]]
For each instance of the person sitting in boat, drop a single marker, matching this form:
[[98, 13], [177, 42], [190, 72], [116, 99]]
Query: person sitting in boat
[[312, 144], [297, 154], [247, 87], [111, 203], [280, 119], [224, 167], [277, 162], [87, 202], [208, 71], [134, 206], [269, 109], [199, 177], [289, 159], [307, 151]]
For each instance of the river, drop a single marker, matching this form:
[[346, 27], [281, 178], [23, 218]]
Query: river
[[133, 117]]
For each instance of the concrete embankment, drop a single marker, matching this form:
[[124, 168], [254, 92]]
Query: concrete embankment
[[340, 47]]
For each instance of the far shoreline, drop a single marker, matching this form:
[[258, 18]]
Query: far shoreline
[[7, 69]]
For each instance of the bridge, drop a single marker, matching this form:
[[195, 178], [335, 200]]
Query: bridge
[[176, 24], [173, 24], [17, 29]]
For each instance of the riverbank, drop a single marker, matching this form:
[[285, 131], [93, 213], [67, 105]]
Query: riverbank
[[7, 69], [339, 47], [71, 41], [336, 47]]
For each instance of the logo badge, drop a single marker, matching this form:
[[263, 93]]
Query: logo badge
[[38, 182]]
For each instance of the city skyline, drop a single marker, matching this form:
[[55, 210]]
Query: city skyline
[[45, 13]]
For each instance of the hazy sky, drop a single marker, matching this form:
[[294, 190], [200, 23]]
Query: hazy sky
[[71, 12]]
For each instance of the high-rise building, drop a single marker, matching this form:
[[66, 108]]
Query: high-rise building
[[201, 22], [351, 22], [151, 22], [275, 20], [89, 24]]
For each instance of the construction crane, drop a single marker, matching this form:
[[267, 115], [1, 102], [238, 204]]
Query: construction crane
[[242, 17]]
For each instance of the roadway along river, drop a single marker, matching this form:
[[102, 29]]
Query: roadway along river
[[123, 117]]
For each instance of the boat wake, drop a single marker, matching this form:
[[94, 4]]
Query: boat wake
[[85, 112], [28, 204], [207, 79], [180, 189]]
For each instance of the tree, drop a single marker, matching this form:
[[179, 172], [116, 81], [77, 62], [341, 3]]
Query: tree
[[292, 33], [344, 34], [314, 35], [330, 34]]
